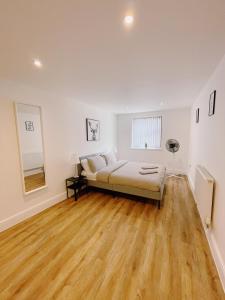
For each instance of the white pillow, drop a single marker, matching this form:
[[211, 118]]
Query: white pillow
[[84, 173], [110, 158], [85, 166], [96, 163]]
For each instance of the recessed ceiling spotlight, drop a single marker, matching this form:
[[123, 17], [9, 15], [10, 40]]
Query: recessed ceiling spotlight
[[37, 63], [128, 20]]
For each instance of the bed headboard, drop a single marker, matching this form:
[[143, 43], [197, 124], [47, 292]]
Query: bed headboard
[[90, 155]]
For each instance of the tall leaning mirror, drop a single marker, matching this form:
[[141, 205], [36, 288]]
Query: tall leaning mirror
[[30, 136]]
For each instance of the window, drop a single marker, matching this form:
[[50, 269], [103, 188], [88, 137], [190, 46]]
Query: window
[[146, 133]]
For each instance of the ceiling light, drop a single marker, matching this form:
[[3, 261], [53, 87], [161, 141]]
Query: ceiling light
[[37, 63], [129, 20]]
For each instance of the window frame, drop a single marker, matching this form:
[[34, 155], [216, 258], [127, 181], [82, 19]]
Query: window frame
[[147, 149]]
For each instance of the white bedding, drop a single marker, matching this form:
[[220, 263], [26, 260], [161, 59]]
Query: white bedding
[[89, 175], [104, 174], [104, 171], [127, 174]]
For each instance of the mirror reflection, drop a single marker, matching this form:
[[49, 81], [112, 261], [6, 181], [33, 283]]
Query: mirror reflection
[[31, 146]]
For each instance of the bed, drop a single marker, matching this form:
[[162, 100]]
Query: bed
[[125, 177]]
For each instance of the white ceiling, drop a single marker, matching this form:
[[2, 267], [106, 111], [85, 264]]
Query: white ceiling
[[88, 55]]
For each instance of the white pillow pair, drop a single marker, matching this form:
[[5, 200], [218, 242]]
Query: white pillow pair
[[93, 164], [110, 158], [96, 163]]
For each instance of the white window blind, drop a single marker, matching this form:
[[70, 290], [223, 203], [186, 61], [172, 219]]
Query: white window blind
[[146, 133]]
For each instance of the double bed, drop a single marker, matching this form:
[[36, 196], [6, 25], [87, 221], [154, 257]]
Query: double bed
[[132, 178]]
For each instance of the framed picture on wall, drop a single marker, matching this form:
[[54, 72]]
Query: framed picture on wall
[[197, 115], [29, 125], [212, 103], [93, 130]]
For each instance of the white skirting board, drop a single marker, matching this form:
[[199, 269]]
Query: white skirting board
[[25, 214], [220, 265]]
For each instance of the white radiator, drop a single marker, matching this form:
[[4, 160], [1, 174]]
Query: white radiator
[[204, 192]]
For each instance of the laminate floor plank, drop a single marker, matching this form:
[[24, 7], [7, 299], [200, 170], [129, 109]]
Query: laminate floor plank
[[105, 248]]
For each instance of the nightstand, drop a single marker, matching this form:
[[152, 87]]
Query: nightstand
[[77, 184]]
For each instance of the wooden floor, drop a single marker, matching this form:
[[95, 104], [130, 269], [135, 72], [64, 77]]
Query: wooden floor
[[110, 248], [34, 182]]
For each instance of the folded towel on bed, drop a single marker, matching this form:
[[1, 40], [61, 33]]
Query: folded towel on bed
[[145, 172], [149, 168]]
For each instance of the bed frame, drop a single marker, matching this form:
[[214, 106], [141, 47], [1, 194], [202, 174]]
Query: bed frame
[[127, 190]]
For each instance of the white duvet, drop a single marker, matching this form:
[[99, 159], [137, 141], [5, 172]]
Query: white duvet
[[127, 174]]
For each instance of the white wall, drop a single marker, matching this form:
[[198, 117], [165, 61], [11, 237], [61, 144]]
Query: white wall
[[64, 135], [175, 124], [208, 149]]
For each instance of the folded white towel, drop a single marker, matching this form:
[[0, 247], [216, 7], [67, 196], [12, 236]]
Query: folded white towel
[[149, 168], [146, 172]]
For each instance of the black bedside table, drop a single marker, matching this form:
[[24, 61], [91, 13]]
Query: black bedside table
[[77, 184]]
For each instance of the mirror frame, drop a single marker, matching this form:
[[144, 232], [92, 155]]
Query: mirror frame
[[19, 147]]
